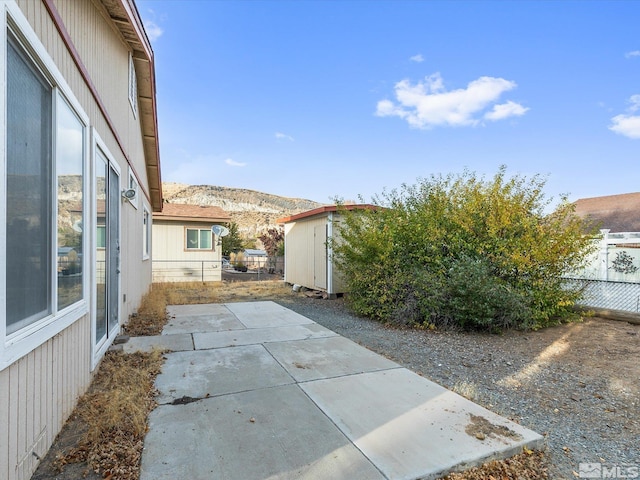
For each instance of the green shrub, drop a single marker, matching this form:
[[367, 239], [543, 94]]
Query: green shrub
[[460, 250]]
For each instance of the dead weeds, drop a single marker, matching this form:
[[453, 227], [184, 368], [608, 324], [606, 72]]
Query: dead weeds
[[114, 414]]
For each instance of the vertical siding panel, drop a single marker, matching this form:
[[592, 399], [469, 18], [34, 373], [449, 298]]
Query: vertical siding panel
[[23, 378], [14, 401], [51, 399], [5, 431], [28, 402], [44, 392], [55, 382], [64, 384]]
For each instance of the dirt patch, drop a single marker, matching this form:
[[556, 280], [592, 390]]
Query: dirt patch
[[481, 428]]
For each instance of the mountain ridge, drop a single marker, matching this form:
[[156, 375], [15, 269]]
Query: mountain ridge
[[253, 211]]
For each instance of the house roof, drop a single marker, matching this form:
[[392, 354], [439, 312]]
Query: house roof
[[618, 213], [192, 213], [126, 19], [325, 209]]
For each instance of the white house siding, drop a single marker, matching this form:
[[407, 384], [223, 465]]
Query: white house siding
[[39, 390], [37, 395], [106, 57], [172, 262]]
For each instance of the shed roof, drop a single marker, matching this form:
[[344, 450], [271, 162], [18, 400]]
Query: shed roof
[[326, 209], [618, 213], [192, 213]]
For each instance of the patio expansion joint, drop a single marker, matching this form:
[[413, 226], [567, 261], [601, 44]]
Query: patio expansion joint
[[352, 374], [329, 419], [186, 399]]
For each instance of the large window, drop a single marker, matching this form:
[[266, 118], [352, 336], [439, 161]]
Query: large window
[[29, 208], [45, 156], [198, 239], [69, 163]]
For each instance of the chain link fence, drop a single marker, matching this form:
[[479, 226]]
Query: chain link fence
[[214, 270], [609, 295]]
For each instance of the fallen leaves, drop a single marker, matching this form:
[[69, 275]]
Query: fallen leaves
[[529, 465]]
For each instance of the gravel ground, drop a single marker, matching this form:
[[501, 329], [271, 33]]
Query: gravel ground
[[577, 384]]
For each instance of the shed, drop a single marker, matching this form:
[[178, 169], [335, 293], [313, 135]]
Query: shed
[[184, 247], [307, 252]]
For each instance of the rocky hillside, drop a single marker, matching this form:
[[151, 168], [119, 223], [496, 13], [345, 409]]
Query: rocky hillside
[[253, 211]]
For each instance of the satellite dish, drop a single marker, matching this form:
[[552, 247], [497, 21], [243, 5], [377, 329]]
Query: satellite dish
[[77, 226], [220, 230]]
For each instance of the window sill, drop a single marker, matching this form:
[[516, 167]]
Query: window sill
[[29, 338]]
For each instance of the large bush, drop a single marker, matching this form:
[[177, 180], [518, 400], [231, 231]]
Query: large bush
[[462, 250]]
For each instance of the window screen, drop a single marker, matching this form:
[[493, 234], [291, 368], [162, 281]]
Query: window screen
[[29, 179]]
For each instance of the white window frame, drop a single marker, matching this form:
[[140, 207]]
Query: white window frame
[[199, 249], [99, 349], [133, 185], [25, 340], [133, 87], [146, 232]]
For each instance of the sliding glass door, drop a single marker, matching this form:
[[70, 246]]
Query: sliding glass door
[[107, 249]]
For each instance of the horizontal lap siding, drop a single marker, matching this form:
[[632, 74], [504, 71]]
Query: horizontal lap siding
[[37, 395]]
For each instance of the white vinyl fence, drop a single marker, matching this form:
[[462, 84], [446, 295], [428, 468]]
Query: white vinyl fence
[[611, 278]]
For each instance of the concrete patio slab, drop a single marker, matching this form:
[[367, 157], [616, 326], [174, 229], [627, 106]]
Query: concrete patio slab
[[326, 357], [207, 373], [198, 309], [174, 343], [275, 434], [202, 323], [266, 314], [410, 427], [259, 335], [293, 400]]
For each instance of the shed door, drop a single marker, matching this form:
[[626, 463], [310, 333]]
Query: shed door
[[320, 256]]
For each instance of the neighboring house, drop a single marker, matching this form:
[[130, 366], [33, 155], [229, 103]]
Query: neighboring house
[[307, 254], [78, 133], [184, 248], [617, 213]]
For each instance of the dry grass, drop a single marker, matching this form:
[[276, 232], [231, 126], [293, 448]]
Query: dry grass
[[114, 415], [221, 292]]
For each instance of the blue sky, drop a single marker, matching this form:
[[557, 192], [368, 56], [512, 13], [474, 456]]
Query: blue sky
[[318, 99]]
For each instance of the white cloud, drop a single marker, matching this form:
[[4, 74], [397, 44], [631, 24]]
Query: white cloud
[[284, 136], [152, 29], [427, 104], [628, 124], [506, 110], [635, 53], [417, 58], [233, 163]]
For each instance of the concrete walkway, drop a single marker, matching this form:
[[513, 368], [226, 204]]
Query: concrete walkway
[[256, 391]]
